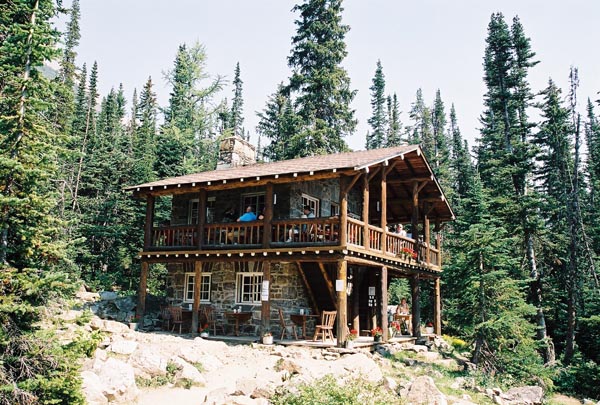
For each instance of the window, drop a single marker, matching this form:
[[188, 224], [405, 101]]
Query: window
[[210, 209], [248, 283], [193, 211], [313, 203], [255, 200], [334, 209], [190, 278]]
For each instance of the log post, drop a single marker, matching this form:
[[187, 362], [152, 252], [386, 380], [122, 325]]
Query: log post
[[141, 306], [365, 212], [149, 222], [427, 237], [414, 224], [437, 307], [416, 305], [201, 217], [265, 310], [267, 221], [384, 302], [384, 210], [343, 212], [197, 287], [342, 300]]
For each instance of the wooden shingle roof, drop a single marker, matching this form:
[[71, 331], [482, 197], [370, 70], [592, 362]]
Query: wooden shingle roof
[[346, 160]]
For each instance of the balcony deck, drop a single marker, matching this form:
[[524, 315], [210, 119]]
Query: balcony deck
[[292, 235]]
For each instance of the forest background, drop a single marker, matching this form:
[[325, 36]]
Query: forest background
[[520, 282]]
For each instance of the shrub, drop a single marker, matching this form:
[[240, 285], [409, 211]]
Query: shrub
[[327, 391]]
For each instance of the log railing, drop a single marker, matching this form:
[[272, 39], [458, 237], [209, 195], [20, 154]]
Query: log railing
[[291, 232]]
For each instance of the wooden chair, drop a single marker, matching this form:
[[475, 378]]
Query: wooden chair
[[208, 314], [326, 327], [284, 327], [176, 318], [165, 316]]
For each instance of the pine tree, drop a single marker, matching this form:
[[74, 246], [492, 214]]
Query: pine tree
[[461, 166], [441, 150], [394, 137], [322, 84], [378, 121], [279, 123], [505, 154], [186, 142], [236, 118], [421, 131], [144, 142]]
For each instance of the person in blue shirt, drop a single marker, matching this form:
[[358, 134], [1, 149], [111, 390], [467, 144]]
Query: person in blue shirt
[[249, 215]]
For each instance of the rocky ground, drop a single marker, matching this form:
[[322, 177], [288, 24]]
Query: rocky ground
[[158, 368]]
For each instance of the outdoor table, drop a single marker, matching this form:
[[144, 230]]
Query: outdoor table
[[300, 320], [238, 317]]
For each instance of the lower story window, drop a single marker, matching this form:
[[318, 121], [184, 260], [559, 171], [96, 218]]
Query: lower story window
[[190, 279], [249, 286]]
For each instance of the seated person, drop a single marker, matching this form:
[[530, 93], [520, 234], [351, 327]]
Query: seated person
[[307, 213], [249, 215], [229, 215], [400, 230], [403, 313], [261, 216]]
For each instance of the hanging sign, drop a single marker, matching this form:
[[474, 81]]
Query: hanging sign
[[264, 294]]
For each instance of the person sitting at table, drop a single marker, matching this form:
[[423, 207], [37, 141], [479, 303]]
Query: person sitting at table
[[403, 313], [402, 308], [249, 215], [307, 213]]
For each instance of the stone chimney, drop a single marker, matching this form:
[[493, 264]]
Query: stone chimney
[[235, 151]]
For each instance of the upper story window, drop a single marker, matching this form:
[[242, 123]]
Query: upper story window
[[193, 211], [334, 209], [210, 209], [254, 200], [313, 203]]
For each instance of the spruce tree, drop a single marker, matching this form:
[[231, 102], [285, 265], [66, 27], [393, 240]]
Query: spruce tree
[[322, 85], [144, 142], [441, 149], [279, 123], [186, 141], [394, 133], [236, 118], [378, 122], [421, 131]]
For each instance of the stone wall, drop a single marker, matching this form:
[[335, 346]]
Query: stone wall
[[287, 291]]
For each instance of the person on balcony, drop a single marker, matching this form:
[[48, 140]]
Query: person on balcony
[[307, 213], [400, 230], [248, 216], [229, 215]]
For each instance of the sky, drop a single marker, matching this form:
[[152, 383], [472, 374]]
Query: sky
[[427, 44]]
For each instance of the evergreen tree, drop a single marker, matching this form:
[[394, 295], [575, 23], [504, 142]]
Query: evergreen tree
[[505, 154], [144, 142], [237, 106], [32, 261], [461, 166], [186, 141], [322, 84], [421, 131], [378, 121], [279, 123], [441, 149], [393, 135]]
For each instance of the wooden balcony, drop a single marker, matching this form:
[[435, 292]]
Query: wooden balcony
[[309, 233]]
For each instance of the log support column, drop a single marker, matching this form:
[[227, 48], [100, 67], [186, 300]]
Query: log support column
[[416, 306], [149, 222], [265, 310], [141, 306], [437, 307], [383, 313], [196, 304], [342, 303]]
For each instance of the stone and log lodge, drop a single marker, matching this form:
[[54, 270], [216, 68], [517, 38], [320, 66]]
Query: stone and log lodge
[[341, 259]]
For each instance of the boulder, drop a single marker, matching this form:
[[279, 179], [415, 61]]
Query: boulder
[[423, 391], [108, 295], [148, 362], [122, 346], [117, 380], [92, 389], [361, 364], [188, 372], [529, 395]]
